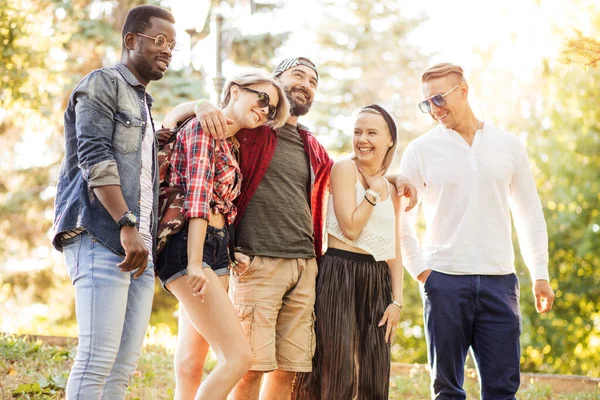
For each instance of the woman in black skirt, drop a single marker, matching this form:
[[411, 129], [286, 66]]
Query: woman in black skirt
[[359, 286]]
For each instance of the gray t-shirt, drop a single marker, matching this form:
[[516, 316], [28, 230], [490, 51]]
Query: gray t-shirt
[[277, 221]]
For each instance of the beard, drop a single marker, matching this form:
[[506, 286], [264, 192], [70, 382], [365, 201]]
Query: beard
[[146, 71], [298, 109]]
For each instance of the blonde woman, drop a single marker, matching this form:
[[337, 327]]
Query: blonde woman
[[202, 181]]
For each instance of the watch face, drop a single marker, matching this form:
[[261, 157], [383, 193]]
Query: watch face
[[128, 219]]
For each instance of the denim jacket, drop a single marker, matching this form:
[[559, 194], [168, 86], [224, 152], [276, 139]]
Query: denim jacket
[[105, 122]]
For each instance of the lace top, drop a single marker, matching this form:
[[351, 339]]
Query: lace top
[[378, 237]]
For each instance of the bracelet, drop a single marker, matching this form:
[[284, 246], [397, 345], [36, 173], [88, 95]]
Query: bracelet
[[199, 103], [395, 303], [376, 196], [370, 202]]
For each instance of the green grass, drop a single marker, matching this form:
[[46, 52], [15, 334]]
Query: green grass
[[34, 370]]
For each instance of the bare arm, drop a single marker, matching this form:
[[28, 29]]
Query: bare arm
[[136, 252], [351, 217], [404, 188], [396, 267], [180, 113], [391, 316], [195, 249], [212, 119]]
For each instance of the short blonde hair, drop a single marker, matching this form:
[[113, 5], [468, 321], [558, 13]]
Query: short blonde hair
[[441, 70], [254, 76]]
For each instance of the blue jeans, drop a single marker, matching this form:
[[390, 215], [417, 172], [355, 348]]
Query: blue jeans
[[113, 311], [479, 312]]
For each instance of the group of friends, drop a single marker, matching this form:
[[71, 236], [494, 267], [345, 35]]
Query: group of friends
[[229, 206]]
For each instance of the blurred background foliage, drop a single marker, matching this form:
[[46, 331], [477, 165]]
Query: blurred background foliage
[[365, 54]]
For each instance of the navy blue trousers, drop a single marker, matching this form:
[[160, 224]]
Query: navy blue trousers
[[479, 312]]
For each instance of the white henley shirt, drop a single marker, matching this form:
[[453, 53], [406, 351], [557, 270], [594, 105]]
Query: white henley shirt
[[466, 192]]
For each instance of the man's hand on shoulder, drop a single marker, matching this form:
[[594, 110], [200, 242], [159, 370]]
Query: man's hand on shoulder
[[544, 295], [212, 120], [406, 189]]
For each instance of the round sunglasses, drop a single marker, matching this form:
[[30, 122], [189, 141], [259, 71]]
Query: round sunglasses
[[439, 100], [263, 101], [161, 42]]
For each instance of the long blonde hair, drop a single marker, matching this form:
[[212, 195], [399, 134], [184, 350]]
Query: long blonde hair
[[253, 76]]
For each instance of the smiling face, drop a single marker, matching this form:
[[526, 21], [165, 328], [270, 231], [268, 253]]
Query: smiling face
[[372, 139], [146, 60], [456, 107], [300, 84], [246, 110]]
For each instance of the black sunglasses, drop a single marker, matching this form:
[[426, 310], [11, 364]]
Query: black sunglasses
[[263, 101], [439, 100]]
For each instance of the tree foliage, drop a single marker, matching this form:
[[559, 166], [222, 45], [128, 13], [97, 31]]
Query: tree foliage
[[32, 80], [365, 57], [582, 50], [566, 154]]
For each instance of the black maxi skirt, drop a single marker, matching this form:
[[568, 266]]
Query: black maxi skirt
[[352, 360]]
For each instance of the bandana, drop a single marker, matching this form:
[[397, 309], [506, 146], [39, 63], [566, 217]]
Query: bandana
[[293, 62], [389, 120]]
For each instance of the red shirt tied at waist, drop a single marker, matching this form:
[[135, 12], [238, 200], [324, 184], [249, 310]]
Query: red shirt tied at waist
[[207, 171], [257, 147]]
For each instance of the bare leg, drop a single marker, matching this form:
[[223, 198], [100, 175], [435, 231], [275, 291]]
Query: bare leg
[[190, 355], [189, 358], [278, 385], [248, 388], [216, 320]]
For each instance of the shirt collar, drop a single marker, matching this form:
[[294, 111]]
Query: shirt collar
[[133, 81]]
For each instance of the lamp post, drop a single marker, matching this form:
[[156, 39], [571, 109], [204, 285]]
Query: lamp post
[[218, 80], [192, 16]]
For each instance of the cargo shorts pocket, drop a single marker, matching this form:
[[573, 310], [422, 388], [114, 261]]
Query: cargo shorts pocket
[[245, 313]]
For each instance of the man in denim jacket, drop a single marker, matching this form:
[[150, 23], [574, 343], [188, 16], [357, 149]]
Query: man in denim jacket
[[106, 206]]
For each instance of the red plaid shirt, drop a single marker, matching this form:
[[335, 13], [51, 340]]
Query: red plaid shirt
[[207, 171], [257, 147]]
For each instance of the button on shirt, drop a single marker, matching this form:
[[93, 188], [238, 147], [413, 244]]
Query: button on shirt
[[468, 193]]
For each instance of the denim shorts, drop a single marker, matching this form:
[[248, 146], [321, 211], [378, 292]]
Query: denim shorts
[[172, 261]]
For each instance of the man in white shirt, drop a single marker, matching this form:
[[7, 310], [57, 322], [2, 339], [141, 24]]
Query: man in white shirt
[[470, 176]]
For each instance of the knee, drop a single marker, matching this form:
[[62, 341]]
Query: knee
[[246, 358], [252, 377], [284, 377], [95, 361], [241, 360], [190, 365]]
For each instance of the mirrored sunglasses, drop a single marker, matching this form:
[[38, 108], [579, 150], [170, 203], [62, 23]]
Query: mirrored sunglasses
[[439, 100]]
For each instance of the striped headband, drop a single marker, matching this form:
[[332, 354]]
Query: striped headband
[[389, 120], [291, 63]]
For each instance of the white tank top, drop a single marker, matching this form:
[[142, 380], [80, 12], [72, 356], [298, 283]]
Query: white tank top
[[378, 236]]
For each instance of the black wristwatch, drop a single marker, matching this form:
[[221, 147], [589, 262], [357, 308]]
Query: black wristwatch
[[128, 219]]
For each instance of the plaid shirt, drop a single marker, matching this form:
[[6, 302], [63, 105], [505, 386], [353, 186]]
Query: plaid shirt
[[257, 147], [207, 172]]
